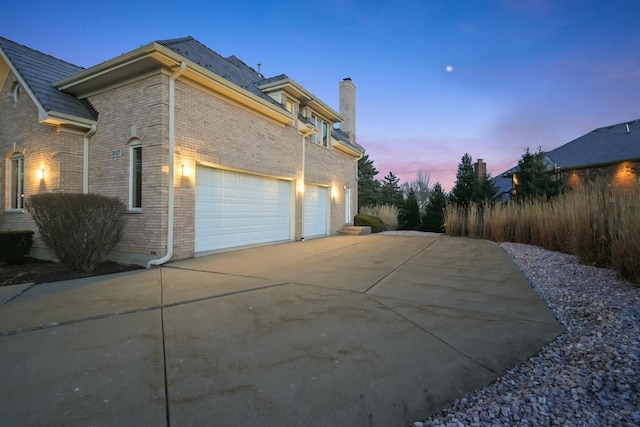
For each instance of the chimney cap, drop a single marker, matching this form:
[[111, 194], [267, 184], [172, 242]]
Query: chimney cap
[[347, 79]]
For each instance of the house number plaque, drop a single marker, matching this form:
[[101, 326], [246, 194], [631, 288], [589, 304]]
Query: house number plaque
[[116, 153]]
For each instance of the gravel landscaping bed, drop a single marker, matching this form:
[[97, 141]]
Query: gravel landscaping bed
[[588, 376]]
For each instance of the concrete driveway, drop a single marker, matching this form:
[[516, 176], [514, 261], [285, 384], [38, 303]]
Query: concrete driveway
[[375, 330]]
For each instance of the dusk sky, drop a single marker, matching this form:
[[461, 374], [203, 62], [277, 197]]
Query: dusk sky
[[434, 78]]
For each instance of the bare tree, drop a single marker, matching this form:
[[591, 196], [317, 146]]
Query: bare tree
[[420, 186]]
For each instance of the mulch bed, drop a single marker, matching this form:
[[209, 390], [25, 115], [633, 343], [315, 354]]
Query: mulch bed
[[32, 270]]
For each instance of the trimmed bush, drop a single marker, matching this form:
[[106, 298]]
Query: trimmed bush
[[388, 214], [372, 221], [81, 229], [14, 245]]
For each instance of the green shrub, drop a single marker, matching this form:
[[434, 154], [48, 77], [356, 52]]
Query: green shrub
[[368, 220], [81, 229], [14, 245], [388, 214]]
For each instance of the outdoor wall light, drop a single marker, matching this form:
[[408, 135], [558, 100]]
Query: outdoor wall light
[[40, 173], [344, 187], [186, 171]]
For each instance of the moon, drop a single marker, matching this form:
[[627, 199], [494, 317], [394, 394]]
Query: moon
[[449, 68]]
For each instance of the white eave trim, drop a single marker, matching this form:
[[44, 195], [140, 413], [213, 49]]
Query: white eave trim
[[56, 118], [195, 72], [304, 96]]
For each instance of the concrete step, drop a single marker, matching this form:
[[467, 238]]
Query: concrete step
[[352, 230]]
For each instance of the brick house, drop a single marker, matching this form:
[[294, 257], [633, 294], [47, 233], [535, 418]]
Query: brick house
[[610, 154], [206, 152]]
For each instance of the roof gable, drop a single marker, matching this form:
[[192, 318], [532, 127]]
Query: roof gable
[[37, 71]]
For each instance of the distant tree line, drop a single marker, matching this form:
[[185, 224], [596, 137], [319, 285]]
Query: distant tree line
[[421, 206]]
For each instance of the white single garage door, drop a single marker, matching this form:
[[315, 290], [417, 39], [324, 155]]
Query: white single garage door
[[235, 209], [315, 211]]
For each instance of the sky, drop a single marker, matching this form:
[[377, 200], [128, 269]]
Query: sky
[[435, 79]]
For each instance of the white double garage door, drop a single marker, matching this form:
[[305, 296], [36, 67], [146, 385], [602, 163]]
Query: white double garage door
[[236, 209]]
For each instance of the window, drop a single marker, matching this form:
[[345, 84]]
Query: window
[[322, 137], [289, 106], [135, 202], [16, 181], [314, 121]]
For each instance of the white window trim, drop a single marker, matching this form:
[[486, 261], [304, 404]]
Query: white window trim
[[18, 194], [136, 144]]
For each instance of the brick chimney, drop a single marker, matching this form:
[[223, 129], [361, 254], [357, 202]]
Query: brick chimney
[[348, 108], [480, 169]]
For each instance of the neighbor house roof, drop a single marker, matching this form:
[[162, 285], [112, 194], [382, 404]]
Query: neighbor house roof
[[605, 145], [37, 72]]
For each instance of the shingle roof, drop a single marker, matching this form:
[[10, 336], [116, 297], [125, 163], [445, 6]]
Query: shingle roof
[[39, 71], [231, 68], [605, 145], [610, 144], [339, 134]]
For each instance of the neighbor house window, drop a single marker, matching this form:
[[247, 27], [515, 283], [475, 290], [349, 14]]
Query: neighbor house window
[[136, 176], [16, 181]]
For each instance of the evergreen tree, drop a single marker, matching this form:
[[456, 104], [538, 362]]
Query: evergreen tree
[[463, 190], [368, 186], [410, 213], [433, 219], [390, 193], [534, 179], [469, 188]]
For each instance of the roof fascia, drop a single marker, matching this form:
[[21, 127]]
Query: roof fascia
[[167, 58], [56, 118], [289, 86], [304, 96], [345, 148]]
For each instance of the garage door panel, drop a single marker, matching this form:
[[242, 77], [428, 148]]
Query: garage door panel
[[315, 211], [234, 209]]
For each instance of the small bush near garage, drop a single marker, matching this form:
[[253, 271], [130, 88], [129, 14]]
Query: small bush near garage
[[14, 245], [367, 220], [388, 214], [81, 229]]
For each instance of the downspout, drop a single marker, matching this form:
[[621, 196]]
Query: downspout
[[171, 201], [85, 158], [357, 180], [302, 186], [310, 131]]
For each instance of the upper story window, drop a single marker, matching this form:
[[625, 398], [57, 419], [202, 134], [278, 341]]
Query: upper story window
[[15, 92], [16, 181], [135, 192], [322, 137], [289, 106]]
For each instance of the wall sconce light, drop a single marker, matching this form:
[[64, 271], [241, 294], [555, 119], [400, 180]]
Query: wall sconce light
[[344, 187], [186, 171], [40, 173], [301, 187]]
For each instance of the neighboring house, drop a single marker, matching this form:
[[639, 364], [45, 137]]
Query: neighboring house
[[610, 154], [207, 153]]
